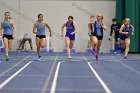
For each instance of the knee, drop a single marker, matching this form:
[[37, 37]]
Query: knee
[[96, 42], [67, 45], [6, 46], [42, 46], [127, 45]]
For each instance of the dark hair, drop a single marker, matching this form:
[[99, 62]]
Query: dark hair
[[114, 20], [40, 15], [9, 13], [91, 16], [70, 17]]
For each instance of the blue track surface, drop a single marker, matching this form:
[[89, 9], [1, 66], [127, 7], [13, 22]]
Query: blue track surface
[[54, 73]]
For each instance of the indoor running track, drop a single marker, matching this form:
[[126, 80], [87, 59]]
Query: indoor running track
[[54, 73]]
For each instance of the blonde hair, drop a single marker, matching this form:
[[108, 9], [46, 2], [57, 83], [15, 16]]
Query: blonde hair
[[126, 20], [99, 14]]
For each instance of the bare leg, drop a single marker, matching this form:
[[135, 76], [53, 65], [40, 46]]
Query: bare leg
[[38, 46], [127, 44], [67, 41], [5, 40]]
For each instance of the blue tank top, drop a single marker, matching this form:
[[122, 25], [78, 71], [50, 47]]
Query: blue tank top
[[40, 28], [98, 29], [127, 28], [8, 30], [69, 28]]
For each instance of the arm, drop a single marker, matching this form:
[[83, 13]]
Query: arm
[[103, 25], [46, 24], [34, 29], [74, 29], [121, 30], [14, 28], [62, 29], [89, 29], [111, 32], [1, 30], [132, 30]]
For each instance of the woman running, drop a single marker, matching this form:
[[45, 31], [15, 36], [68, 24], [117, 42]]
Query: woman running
[[70, 34], [125, 32], [97, 35], [8, 33], [40, 31]]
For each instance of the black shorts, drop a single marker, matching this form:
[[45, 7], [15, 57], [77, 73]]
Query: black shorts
[[41, 36], [116, 37], [98, 37], [9, 37]]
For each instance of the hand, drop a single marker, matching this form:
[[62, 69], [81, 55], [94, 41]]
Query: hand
[[50, 35], [109, 38], [72, 33], [118, 39], [126, 33], [132, 33], [13, 36], [35, 32], [89, 34]]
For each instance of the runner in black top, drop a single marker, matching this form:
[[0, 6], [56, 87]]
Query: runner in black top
[[115, 27]]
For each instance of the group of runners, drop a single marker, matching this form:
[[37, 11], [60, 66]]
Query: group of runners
[[96, 28]]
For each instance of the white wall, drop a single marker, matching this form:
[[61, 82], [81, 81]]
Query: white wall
[[24, 13]]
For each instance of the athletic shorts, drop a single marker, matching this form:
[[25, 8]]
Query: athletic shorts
[[98, 37], [41, 36], [9, 37], [123, 37], [71, 37]]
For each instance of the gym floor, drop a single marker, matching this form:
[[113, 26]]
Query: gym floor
[[55, 73]]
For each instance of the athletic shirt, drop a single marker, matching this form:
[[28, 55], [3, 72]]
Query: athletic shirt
[[69, 28], [115, 28], [127, 28], [8, 30], [41, 28], [98, 30]]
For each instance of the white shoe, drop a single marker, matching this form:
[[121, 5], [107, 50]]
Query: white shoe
[[69, 57], [39, 58]]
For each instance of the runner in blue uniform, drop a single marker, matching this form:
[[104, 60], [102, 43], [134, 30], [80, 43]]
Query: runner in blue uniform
[[70, 34], [40, 31], [8, 33], [125, 33], [97, 33]]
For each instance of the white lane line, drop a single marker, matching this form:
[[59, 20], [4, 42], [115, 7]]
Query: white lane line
[[75, 60], [128, 67], [125, 65], [106, 88], [48, 78], [13, 76], [53, 87], [14, 66]]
